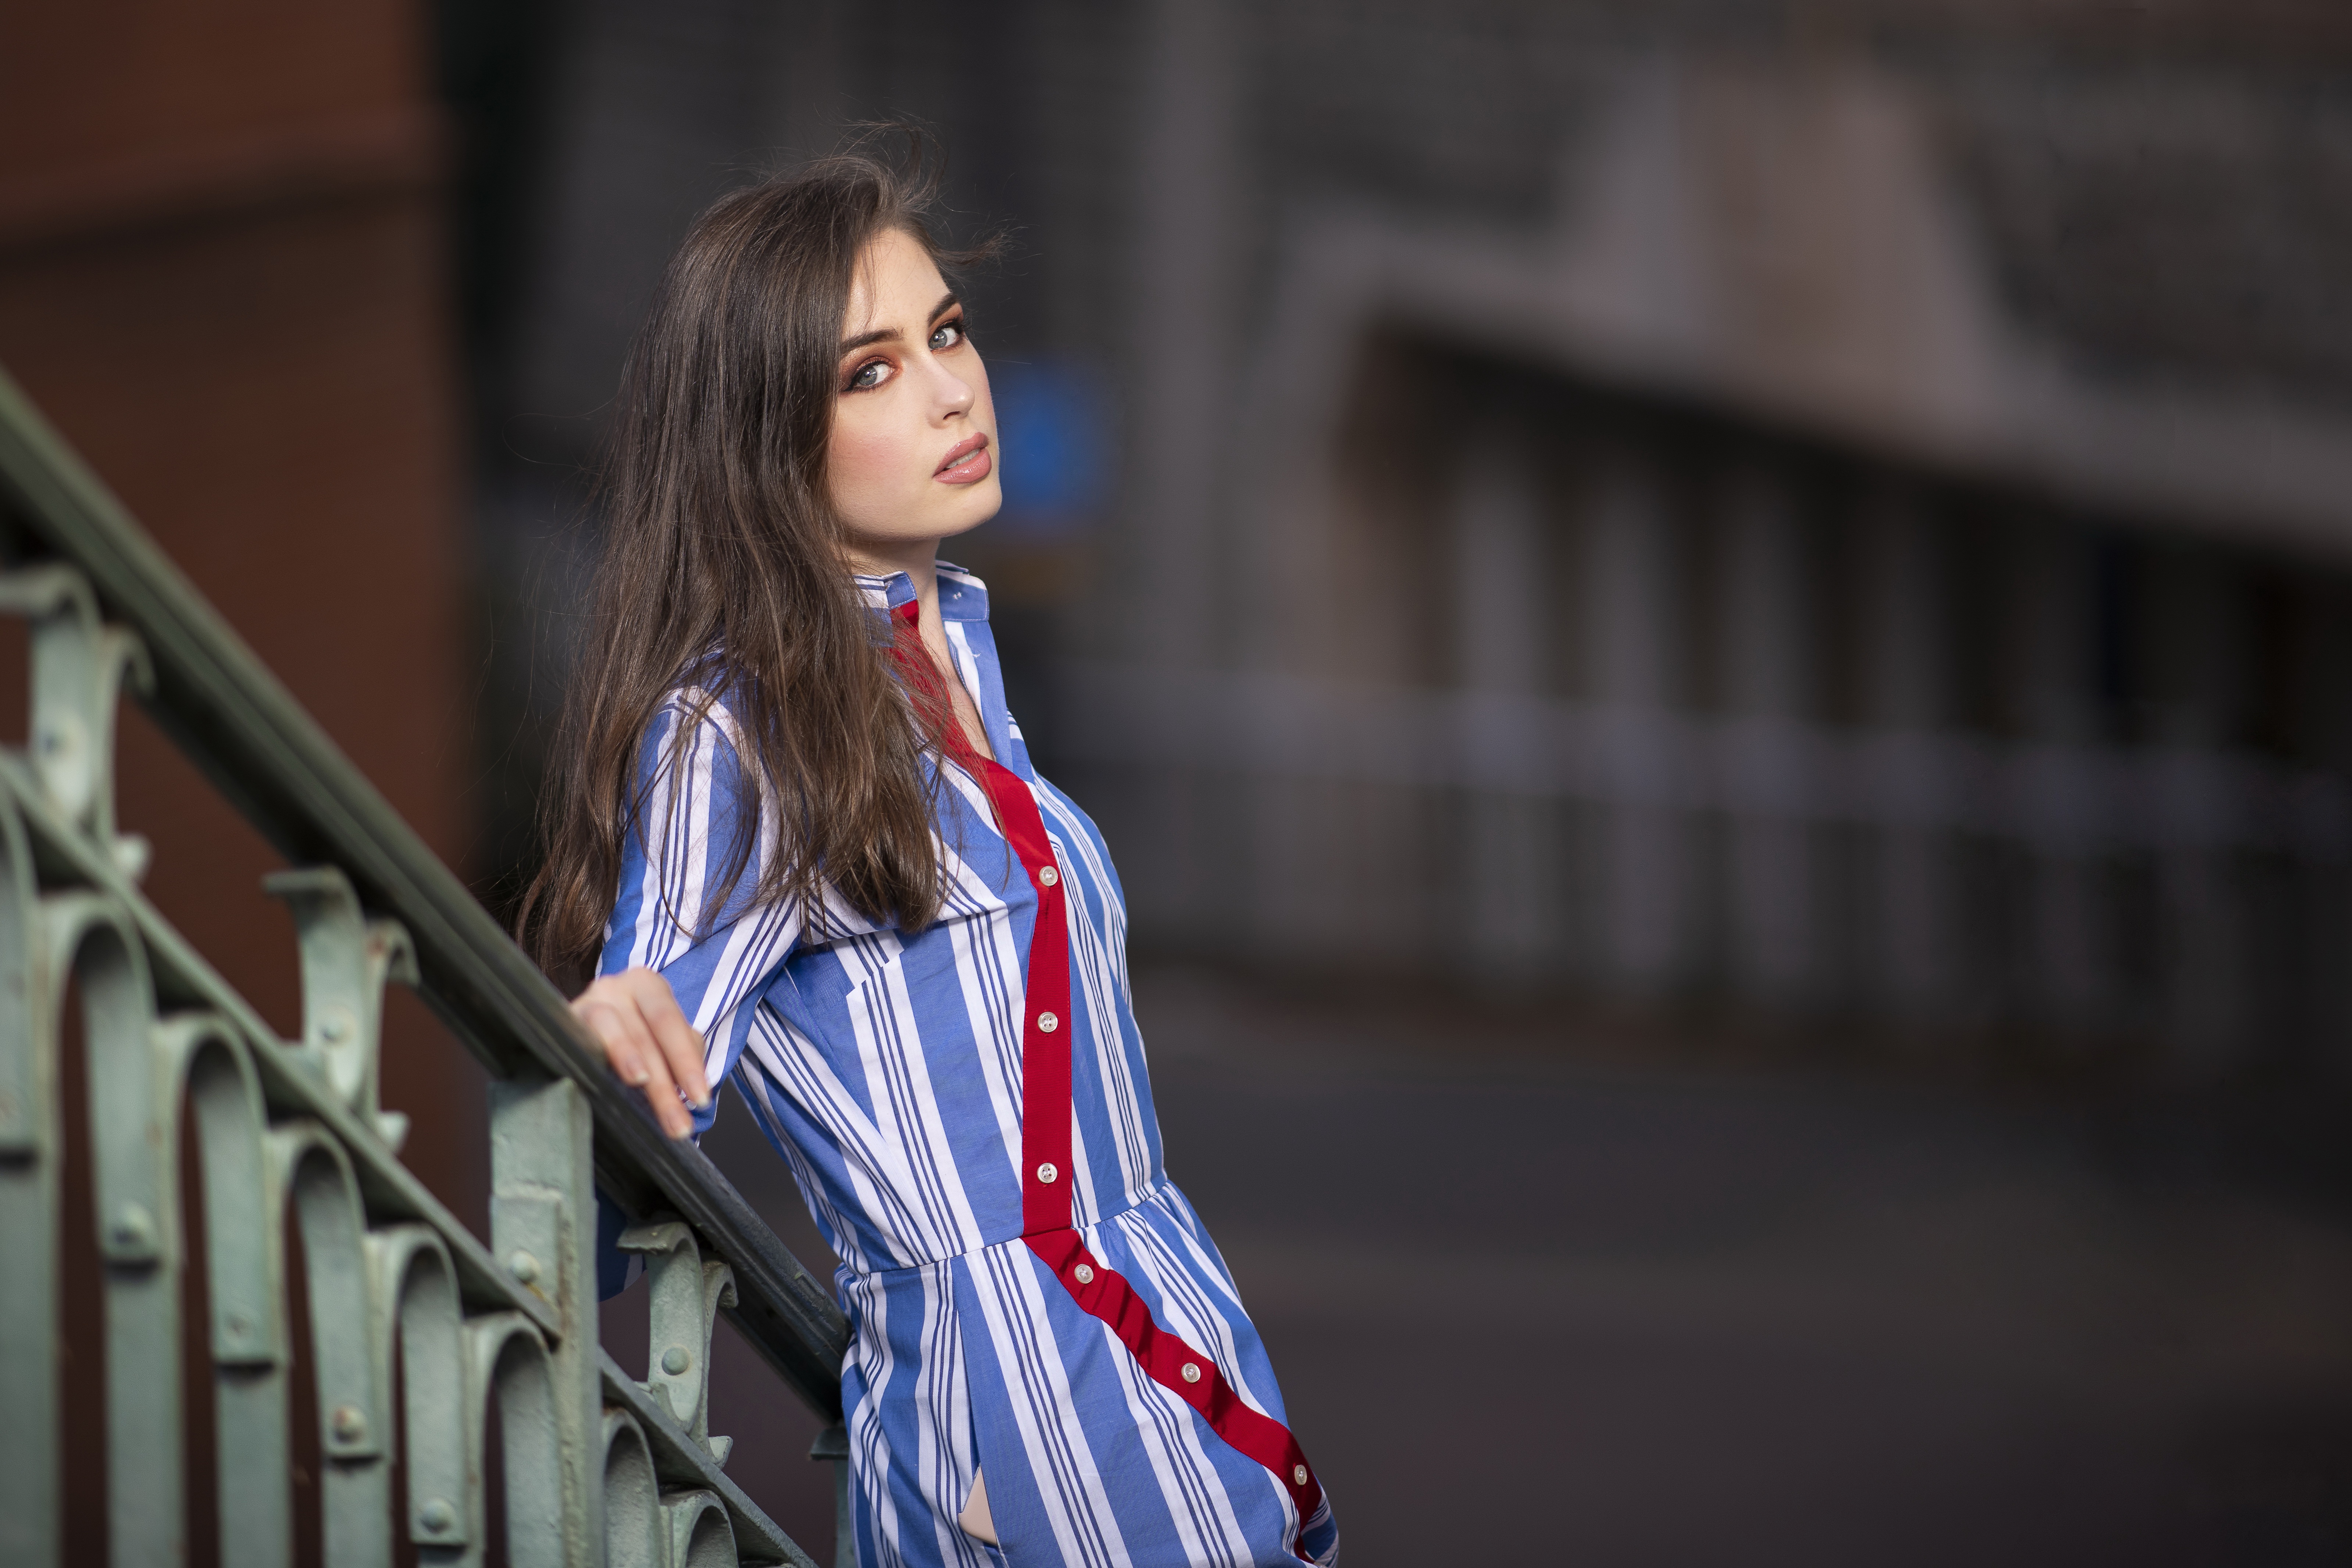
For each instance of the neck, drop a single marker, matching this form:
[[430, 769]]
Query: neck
[[915, 558]]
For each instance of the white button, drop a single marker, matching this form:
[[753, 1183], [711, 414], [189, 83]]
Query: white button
[[1047, 1021], [1192, 1372], [1084, 1275], [1298, 1474], [1046, 1173], [1048, 877]]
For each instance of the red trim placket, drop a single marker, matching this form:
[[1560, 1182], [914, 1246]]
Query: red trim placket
[[1048, 1208], [1045, 1193]]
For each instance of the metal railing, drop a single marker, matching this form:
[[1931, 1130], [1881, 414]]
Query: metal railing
[[418, 1329]]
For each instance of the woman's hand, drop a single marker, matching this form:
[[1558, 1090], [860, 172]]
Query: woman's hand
[[648, 1042]]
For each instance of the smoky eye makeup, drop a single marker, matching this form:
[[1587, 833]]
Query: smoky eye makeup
[[871, 373], [867, 374]]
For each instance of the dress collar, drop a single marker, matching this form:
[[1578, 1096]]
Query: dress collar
[[962, 596]]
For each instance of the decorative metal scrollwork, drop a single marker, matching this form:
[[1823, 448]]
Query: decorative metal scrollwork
[[686, 1292], [347, 958], [415, 1330], [78, 667]]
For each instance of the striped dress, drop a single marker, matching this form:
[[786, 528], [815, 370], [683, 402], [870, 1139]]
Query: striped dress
[[968, 1114]]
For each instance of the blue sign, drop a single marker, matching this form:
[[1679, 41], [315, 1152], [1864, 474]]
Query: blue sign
[[1053, 422]]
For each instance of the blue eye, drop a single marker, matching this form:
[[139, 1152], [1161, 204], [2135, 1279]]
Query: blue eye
[[867, 376], [947, 334]]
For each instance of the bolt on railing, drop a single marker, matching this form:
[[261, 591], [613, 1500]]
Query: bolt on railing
[[417, 1327]]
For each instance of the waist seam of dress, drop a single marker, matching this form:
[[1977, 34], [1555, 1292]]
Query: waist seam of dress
[[1147, 1197]]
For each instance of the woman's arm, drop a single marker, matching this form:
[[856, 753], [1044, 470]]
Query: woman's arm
[[649, 1043]]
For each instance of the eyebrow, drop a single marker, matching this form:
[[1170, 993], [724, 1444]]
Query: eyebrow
[[948, 301]]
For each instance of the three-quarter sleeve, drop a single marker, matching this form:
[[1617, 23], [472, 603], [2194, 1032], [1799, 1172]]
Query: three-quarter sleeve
[[679, 847], [683, 840]]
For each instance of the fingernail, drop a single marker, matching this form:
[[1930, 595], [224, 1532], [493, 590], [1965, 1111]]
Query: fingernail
[[640, 1077]]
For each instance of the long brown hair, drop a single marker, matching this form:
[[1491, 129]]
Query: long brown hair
[[723, 561]]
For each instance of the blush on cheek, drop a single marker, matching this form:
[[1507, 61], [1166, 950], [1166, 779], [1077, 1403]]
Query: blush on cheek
[[863, 471]]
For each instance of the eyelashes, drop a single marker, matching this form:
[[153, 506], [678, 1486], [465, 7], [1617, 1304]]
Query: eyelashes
[[875, 373]]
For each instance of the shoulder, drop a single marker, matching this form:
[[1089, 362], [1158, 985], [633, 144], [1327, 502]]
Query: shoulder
[[700, 714], [694, 753]]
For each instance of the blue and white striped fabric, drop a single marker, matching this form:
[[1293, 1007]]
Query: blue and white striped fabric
[[885, 1069]]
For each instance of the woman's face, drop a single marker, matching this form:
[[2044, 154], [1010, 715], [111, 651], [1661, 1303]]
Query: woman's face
[[913, 455]]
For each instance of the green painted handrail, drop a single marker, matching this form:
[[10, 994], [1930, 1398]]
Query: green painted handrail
[[238, 722]]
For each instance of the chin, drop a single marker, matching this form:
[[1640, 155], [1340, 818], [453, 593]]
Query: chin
[[975, 510]]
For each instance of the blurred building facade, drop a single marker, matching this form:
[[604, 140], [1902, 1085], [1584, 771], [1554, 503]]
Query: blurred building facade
[[1832, 516], [224, 278]]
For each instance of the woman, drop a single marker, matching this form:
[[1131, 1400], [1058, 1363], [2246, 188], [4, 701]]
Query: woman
[[801, 835]]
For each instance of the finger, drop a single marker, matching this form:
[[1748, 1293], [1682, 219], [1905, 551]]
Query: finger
[[610, 1026], [655, 1081], [661, 1093], [681, 1044]]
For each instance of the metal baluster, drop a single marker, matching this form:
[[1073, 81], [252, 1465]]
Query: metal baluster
[[347, 959], [700, 1533], [244, 1263], [2064, 809], [29, 1156], [1635, 618], [684, 1293], [832, 1445], [1911, 940], [1767, 678], [2202, 645], [542, 1221], [1511, 849], [312, 1172], [132, 1133], [78, 667], [413, 1299], [507, 1360], [632, 1516]]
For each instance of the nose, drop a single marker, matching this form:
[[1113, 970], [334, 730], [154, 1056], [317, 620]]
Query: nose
[[951, 395]]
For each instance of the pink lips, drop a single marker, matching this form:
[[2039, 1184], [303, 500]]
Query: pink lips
[[966, 462]]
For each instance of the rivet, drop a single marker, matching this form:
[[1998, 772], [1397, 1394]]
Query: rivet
[[1191, 1371], [522, 1266], [676, 1360], [436, 1516], [347, 1423], [133, 1226]]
